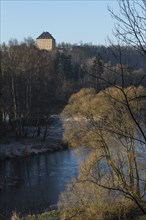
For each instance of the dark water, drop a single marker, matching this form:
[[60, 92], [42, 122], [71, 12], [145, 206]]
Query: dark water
[[32, 184]]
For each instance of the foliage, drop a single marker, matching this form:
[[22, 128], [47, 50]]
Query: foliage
[[142, 218], [112, 122], [106, 212], [50, 215]]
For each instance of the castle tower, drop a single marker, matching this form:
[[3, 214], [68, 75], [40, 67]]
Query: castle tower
[[45, 41]]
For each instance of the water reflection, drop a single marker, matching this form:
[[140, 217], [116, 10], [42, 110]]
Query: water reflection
[[33, 184]]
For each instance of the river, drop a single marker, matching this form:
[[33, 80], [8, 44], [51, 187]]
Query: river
[[33, 184]]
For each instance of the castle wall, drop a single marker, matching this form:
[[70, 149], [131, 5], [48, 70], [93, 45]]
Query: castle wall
[[46, 44]]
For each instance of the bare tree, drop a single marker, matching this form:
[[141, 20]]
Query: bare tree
[[113, 121], [131, 24], [26, 78]]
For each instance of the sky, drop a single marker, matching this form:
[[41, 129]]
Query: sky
[[68, 21]]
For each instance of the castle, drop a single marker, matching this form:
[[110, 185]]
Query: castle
[[45, 41]]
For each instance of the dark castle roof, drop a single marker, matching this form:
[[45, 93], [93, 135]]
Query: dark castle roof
[[45, 35]]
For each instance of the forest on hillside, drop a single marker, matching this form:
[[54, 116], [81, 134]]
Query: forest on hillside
[[33, 82]]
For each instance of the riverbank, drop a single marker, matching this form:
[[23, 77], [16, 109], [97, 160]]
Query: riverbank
[[80, 215], [29, 147], [12, 147]]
